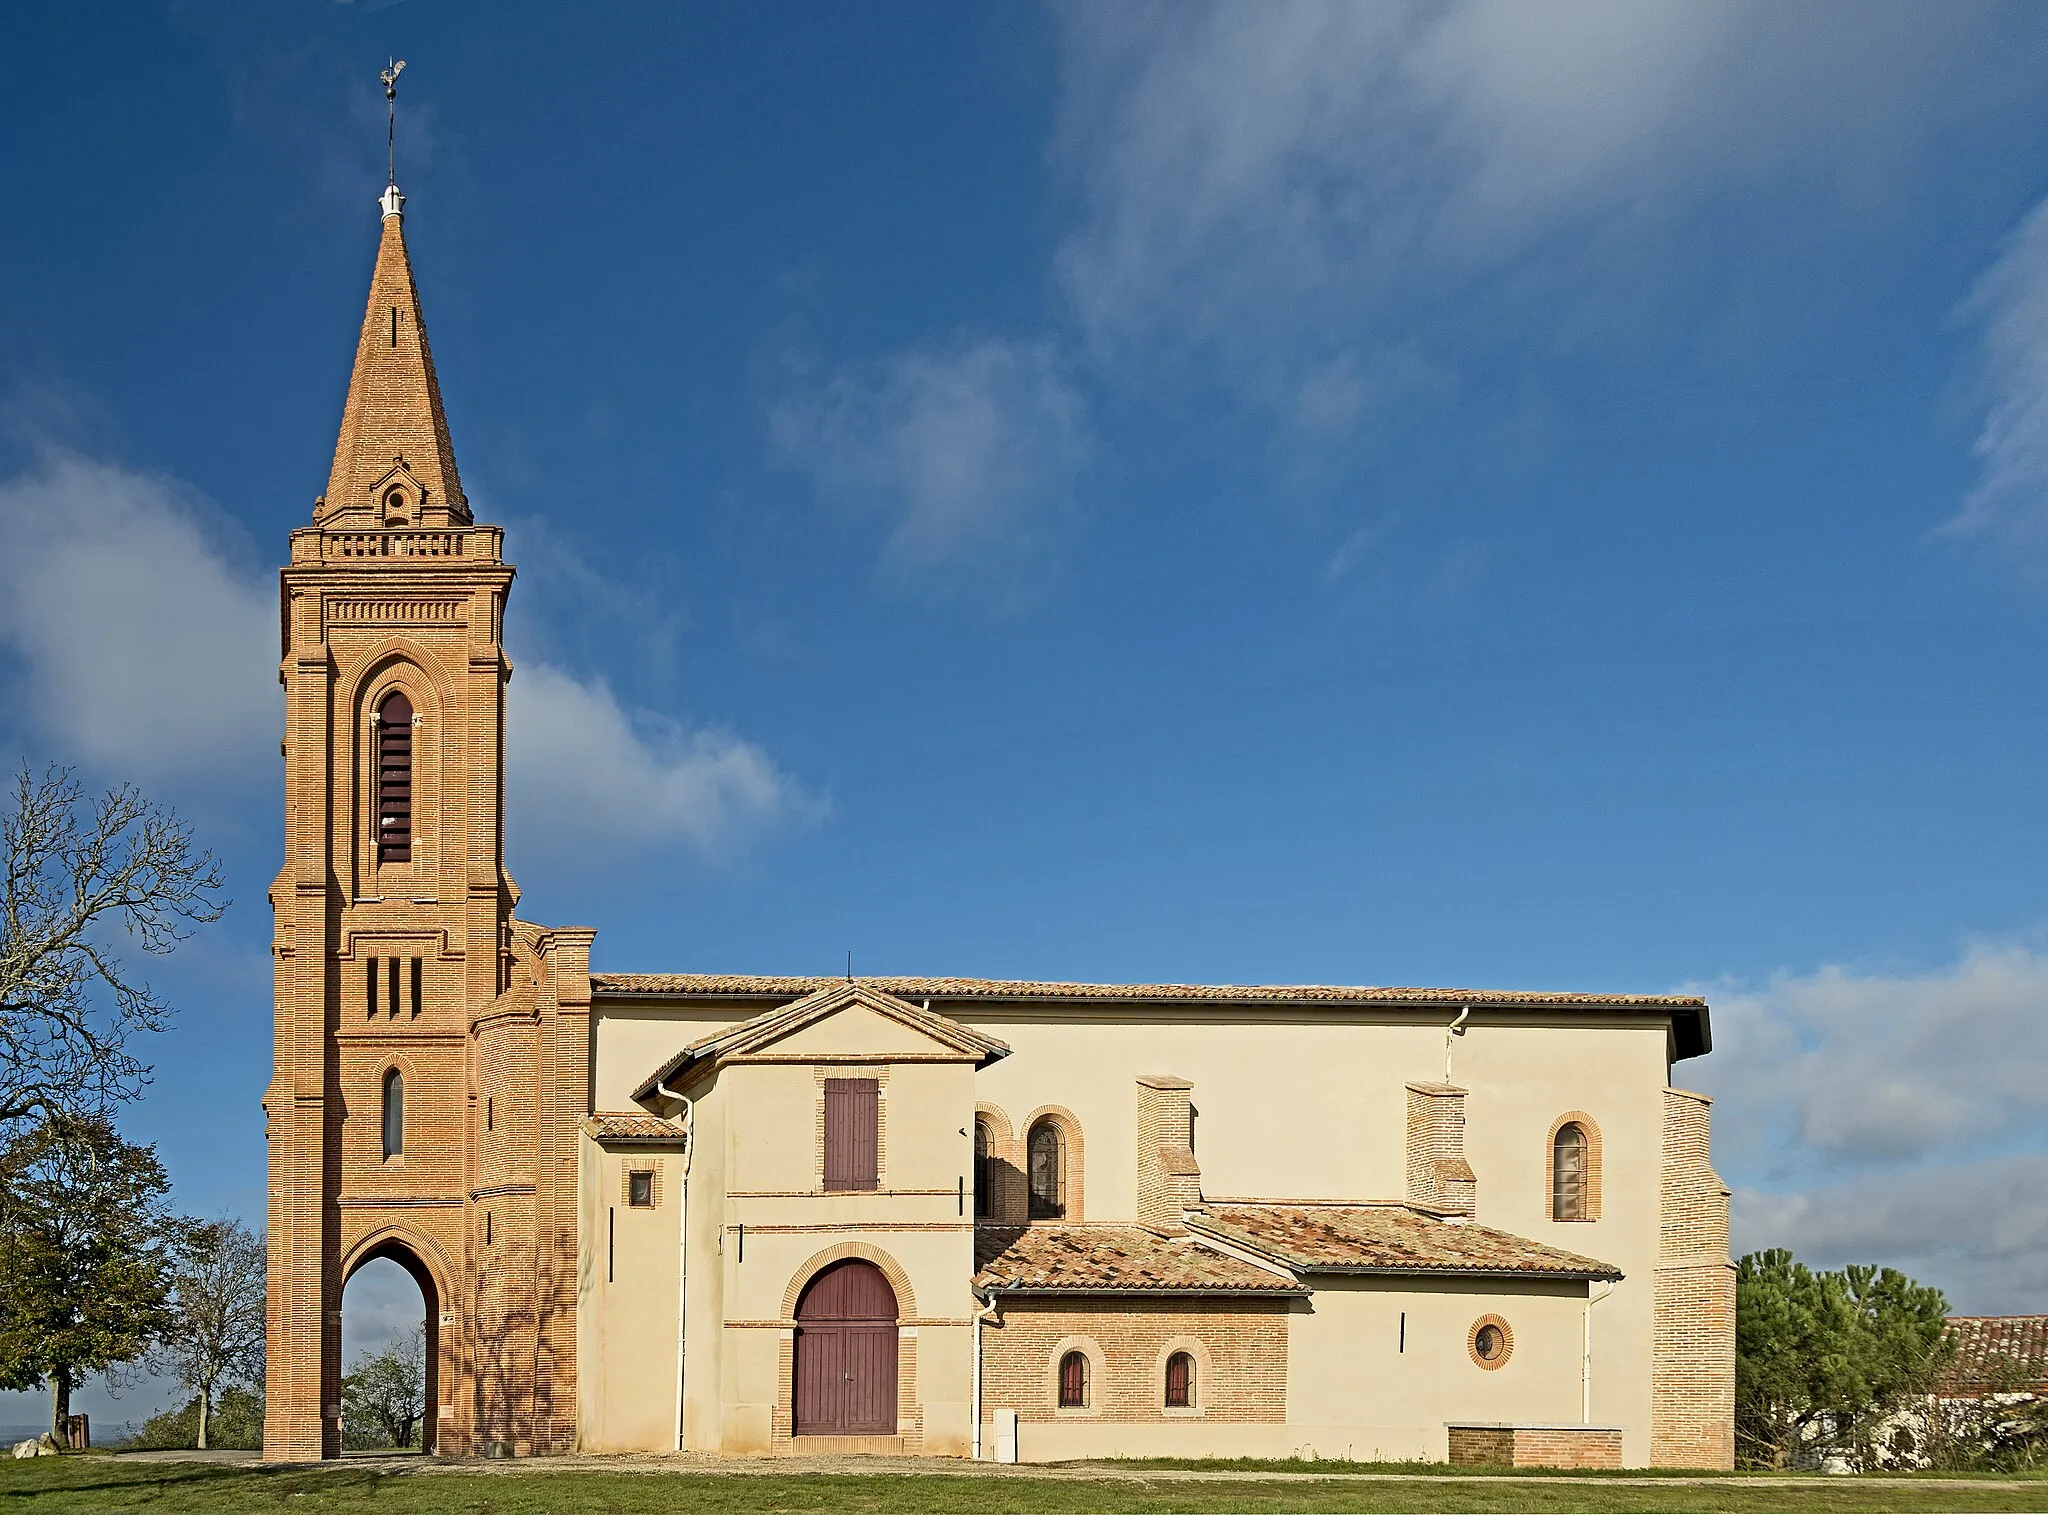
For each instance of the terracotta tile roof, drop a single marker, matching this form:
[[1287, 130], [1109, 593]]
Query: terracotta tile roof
[[1694, 1034], [630, 1126], [1112, 1260], [1997, 1352], [1387, 1239]]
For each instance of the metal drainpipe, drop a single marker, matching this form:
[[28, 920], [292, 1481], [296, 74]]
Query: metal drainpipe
[[987, 1309], [1586, 1354], [1456, 1028], [682, 1248]]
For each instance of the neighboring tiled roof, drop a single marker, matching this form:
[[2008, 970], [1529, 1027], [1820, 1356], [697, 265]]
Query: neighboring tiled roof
[[1995, 1352], [1694, 1033], [1111, 1260], [631, 1126], [1387, 1239]]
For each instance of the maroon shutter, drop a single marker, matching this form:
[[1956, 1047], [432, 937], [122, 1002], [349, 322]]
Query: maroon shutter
[[852, 1120], [394, 781], [1178, 1374]]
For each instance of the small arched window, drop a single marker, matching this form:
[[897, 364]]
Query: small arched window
[[1074, 1381], [1048, 1172], [394, 779], [394, 1113], [983, 1187], [1568, 1173], [1180, 1381]]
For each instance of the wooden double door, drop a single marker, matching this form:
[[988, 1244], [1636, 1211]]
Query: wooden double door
[[846, 1353]]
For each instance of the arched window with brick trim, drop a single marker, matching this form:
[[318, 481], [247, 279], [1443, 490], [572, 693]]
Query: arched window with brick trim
[[394, 779], [984, 1185], [394, 1114], [1045, 1152], [1568, 1173], [1074, 1381], [1180, 1381]]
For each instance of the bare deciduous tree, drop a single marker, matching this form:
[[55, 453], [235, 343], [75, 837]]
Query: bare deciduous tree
[[75, 871], [215, 1336]]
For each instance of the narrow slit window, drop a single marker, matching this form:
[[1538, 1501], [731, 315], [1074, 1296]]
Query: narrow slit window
[[394, 326], [418, 974], [393, 965], [394, 1114], [394, 784], [372, 981]]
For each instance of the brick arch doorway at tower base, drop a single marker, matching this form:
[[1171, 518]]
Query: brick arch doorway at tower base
[[845, 1372], [395, 1249]]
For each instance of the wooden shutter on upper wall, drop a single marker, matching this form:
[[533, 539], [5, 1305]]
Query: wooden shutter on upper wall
[[852, 1131]]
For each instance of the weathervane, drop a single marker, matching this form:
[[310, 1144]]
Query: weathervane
[[390, 78]]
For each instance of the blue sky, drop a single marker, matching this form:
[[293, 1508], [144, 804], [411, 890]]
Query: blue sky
[[1470, 494]]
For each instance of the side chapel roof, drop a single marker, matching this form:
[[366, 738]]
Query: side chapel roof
[[1051, 1258], [1389, 1238], [1997, 1353]]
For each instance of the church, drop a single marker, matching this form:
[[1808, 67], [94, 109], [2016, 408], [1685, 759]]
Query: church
[[949, 1217]]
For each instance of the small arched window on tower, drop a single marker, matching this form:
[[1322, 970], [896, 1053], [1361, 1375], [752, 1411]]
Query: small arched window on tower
[[1048, 1176], [394, 1114], [394, 779], [1568, 1173]]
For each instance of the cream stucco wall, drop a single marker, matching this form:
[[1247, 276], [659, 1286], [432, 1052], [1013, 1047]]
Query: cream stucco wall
[[628, 1269], [1291, 1104]]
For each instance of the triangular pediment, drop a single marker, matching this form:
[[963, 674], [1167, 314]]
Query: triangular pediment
[[836, 1022]]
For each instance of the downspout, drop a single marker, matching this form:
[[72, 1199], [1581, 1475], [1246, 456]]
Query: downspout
[[986, 1311], [1456, 1028], [686, 1124], [1586, 1354]]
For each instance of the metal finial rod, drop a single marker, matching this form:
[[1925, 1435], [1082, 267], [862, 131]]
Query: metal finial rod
[[390, 77]]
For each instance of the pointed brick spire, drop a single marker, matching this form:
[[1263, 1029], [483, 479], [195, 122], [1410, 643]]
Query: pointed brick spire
[[394, 464]]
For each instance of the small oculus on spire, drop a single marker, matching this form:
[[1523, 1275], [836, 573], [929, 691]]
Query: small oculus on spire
[[392, 201]]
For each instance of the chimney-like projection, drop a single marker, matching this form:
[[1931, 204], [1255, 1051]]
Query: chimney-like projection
[[1169, 1181], [1439, 1178]]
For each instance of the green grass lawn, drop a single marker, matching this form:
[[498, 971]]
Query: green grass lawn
[[44, 1486]]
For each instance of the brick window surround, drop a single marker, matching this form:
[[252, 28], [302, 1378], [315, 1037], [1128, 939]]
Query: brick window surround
[[1072, 1161], [1094, 1385], [1590, 1167]]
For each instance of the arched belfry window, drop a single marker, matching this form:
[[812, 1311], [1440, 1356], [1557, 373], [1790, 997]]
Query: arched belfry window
[[394, 779], [394, 1114], [1048, 1172], [1568, 1173]]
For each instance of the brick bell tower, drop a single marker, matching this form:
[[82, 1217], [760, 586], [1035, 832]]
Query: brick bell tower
[[428, 1074]]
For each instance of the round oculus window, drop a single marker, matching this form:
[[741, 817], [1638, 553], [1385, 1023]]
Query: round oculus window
[[1491, 1341]]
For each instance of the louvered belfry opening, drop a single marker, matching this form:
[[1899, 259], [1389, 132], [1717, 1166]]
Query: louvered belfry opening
[[394, 779]]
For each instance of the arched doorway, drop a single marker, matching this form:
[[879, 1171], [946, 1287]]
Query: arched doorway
[[846, 1353], [390, 1325]]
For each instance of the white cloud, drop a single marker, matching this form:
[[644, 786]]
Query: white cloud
[[581, 768], [1269, 178], [969, 449], [1892, 1117], [2010, 502], [143, 649]]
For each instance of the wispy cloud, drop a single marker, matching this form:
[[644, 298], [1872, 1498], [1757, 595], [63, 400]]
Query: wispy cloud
[[145, 646], [1847, 1098], [969, 450], [2010, 503], [1265, 181]]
